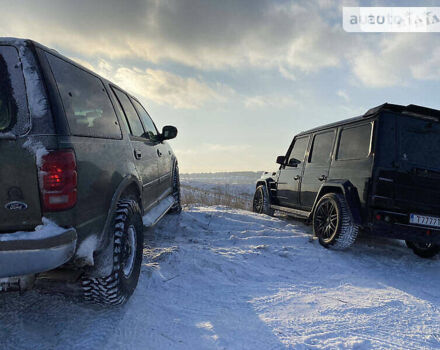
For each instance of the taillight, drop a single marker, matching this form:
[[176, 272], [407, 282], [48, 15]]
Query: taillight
[[58, 179]]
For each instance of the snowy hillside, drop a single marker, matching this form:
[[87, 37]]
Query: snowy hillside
[[217, 278], [233, 189]]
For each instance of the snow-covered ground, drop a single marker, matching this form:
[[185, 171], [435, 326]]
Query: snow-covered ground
[[218, 278]]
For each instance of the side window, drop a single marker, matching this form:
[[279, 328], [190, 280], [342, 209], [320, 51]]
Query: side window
[[134, 123], [14, 116], [322, 147], [298, 151], [87, 105], [354, 143], [149, 126]]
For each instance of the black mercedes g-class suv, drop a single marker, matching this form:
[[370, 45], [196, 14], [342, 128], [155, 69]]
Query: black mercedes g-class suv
[[83, 168], [379, 172]]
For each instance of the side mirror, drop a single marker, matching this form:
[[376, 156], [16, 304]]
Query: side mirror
[[281, 159], [168, 132], [293, 162]]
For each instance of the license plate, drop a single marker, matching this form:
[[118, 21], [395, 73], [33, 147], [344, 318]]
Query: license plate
[[424, 220]]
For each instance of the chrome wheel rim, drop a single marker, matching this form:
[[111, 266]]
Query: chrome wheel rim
[[326, 221], [129, 251]]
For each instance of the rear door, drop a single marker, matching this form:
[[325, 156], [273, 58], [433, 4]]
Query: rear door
[[144, 150], [317, 167], [19, 189], [290, 173], [163, 151]]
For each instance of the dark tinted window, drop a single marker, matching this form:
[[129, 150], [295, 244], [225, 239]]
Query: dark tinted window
[[419, 143], [134, 122], [13, 109], [322, 147], [88, 108], [150, 128], [354, 143], [299, 150]]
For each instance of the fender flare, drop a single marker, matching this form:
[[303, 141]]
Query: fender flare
[[104, 257], [350, 193], [266, 182]]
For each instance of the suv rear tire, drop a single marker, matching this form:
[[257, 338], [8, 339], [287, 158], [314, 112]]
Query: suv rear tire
[[261, 201], [424, 250], [332, 222], [128, 238]]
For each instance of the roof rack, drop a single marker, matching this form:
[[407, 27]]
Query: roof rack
[[413, 110]]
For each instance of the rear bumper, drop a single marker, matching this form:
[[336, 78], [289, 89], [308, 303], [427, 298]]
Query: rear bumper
[[22, 254], [399, 228]]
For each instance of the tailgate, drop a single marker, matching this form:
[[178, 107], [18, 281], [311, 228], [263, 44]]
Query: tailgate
[[19, 190]]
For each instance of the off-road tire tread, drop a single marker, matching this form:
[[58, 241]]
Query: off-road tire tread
[[107, 290], [266, 201]]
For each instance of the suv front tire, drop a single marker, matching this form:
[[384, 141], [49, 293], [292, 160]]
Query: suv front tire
[[332, 222], [261, 201]]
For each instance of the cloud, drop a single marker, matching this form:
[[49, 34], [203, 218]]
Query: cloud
[[397, 59], [343, 94], [292, 37], [165, 88], [197, 33]]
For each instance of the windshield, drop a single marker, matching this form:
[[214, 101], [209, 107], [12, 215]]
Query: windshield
[[13, 113], [419, 143]]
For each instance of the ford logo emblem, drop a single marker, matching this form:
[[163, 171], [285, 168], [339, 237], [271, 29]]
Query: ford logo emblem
[[16, 206]]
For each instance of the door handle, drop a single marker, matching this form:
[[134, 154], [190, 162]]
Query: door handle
[[137, 154], [322, 178], [159, 153], [296, 177]]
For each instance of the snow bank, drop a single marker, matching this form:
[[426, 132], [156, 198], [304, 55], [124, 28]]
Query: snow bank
[[86, 250]]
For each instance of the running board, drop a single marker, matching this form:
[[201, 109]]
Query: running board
[[296, 212], [158, 211]]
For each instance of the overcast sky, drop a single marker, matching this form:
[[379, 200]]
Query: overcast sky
[[238, 78]]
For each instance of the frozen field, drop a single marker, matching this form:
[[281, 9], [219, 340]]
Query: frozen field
[[218, 278]]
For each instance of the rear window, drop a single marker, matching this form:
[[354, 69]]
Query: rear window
[[419, 143], [322, 147], [354, 142], [14, 116], [87, 105]]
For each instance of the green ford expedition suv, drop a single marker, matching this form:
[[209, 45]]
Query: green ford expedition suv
[[83, 169]]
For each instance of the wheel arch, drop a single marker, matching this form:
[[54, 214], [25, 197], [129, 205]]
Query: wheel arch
[[350, 193], [130, 185], [267, 183]]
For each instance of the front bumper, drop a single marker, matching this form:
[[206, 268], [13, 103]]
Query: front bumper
[[22, 254]]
